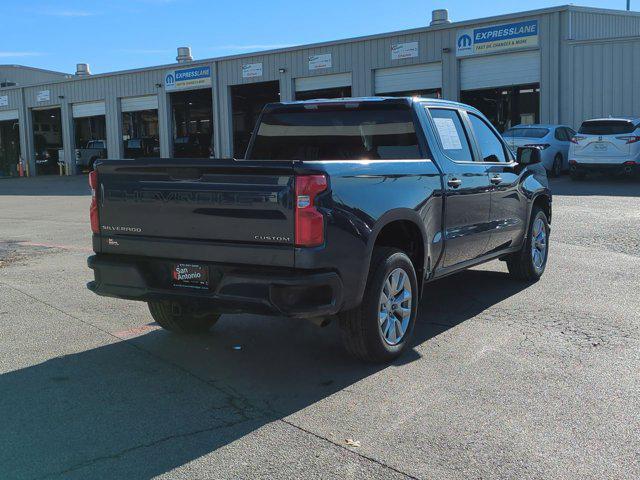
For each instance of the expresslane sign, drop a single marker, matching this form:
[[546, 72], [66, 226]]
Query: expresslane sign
[[185, 78], [497, 38]]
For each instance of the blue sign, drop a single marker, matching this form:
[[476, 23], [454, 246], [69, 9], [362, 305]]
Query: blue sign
[[187, 78], [497, 37], [505, 32]]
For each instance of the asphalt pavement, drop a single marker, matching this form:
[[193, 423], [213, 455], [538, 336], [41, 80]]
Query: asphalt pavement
[[505, 380]]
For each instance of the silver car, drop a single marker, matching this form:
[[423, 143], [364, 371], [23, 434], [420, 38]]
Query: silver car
[[552, 140]]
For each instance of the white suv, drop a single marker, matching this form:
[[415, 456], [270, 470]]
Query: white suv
[[606, 145]]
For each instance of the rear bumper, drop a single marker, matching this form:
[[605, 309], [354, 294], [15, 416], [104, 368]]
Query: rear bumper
[[611, 168], [233, 288]]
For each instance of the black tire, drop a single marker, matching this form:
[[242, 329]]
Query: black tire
[[556, 169], [521, 264], [179, 318], [361, 332]]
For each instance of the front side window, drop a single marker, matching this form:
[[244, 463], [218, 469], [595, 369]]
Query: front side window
[[490, 146], [453, 138], [344, 131]]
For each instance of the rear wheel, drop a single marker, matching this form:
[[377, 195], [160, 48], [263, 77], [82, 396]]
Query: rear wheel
[[380, 329], [530, 262], [556, 170], [181, 318]]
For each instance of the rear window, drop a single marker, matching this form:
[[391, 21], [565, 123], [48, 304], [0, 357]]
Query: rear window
[[337, 132], [606, 127], [526, 132]]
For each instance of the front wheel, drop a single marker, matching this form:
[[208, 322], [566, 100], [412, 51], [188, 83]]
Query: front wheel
[[182, 318], [530, 262], [380, 329]]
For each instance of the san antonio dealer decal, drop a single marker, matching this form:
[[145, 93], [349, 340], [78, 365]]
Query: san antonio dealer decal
[[497, 37]]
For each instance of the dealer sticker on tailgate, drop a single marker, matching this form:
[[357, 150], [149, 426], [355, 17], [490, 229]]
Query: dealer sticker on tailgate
[[190, 275]]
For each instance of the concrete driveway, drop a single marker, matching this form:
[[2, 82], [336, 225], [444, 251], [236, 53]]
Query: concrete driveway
[[505, 380]]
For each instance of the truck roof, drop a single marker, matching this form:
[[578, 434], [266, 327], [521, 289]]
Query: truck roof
[[404, 100]]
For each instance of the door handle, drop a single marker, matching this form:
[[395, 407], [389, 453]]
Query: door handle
[[496, 179], [454, 182]]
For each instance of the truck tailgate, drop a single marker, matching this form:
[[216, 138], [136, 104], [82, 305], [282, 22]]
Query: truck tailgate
[[210, 210]]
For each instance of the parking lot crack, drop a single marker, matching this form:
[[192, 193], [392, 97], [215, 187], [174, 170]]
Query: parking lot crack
[[343, 447]]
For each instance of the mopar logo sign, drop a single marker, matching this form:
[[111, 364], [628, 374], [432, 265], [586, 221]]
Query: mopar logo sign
[[497, 37], [185, 78]]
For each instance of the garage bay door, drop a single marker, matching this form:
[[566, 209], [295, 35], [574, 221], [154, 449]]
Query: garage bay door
[[321, 82], [136, 104], [500, 70], [88, 109], [407, 78], [8, 115]]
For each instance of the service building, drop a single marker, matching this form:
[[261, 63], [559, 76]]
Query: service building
[[556, 65]]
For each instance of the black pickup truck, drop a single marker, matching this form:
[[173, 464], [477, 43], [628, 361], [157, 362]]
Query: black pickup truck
[[340, 209]]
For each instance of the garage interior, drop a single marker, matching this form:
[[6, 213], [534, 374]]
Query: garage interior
[[9, 148], [506, 107], [192, 123], [140, 134], [89, 128], [247, 101], [47, 139]]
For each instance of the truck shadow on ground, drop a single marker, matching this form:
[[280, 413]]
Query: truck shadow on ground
[[143, 407]]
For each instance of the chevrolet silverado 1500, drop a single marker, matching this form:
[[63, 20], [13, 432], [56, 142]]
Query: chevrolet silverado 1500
[[341, 209]]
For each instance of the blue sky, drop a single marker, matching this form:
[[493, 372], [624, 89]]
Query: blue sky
[[120, 34]]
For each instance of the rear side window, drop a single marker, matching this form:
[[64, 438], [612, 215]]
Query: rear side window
[[453, 138], [526, 132], [337, 132], [606, 127], [490, 145], [561, 134]]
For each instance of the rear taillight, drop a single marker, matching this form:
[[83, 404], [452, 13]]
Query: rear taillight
[[93, 209], [573, 162], [630, 163], [629, 139], [577, 139], [309, 221], [541, 146]]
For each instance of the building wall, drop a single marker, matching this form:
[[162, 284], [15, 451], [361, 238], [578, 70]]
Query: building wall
[[600, 66], [22, 75]]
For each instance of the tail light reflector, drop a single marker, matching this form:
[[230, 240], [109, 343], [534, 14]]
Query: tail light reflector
[[309, 230], [93, 209], [629, 139]]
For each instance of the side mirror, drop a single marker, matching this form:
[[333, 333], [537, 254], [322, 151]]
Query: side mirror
[[528, 155]]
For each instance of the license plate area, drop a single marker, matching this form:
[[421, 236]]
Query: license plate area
[[190, 275]]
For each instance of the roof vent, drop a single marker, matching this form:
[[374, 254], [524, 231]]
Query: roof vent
[[184, 55], [440, 17], [82, 69]]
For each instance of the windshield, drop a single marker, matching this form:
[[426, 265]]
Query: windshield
[[607, 127], [526, 132], [337, 132]]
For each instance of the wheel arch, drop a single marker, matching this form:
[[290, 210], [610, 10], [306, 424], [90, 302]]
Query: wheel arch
[[405, 230]]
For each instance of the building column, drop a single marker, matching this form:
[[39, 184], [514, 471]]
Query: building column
[[25, 124], [68, 137], [450, 69], [113, 122], [164, 124], [215, 112]]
